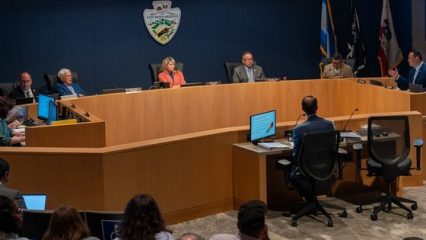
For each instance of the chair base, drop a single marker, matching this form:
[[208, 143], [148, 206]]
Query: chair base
[[312, 208]]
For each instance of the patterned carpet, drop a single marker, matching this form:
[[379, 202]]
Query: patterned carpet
[[356, 226]]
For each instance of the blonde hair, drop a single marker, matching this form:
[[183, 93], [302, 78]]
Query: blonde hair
[[166, 62]]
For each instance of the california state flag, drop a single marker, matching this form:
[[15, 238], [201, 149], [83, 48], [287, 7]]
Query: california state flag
[[390, 54]]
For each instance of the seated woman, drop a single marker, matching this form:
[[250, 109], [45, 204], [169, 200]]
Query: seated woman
[[169, 74], [10, 219], [7, 137], [65, 86], [66, 223], [142, 220]]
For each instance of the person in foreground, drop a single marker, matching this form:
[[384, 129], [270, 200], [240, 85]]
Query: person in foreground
[[10, 219], [313, 123], [66, 86], [169, 73], [142, 220], [7, 137], [12, 194], [337, 69], [251, 223], [417, 74], [248, 71], [66, 223]]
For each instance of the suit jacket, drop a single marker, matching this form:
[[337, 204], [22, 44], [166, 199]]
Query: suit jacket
[[404, 83], [19, 93], [12, 195], [63, 90], [240, 73], [178, 78], [345, 71], [312, 124]]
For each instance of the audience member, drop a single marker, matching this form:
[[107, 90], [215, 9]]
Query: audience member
[[7, 137], [12, 194], [10, 219]]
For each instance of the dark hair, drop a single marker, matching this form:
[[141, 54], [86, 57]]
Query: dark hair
[[9, 220], [66, 223], [251, 218], [4, 168], [310, 105], [337, 56], [5, 105], [418, 53], [246, 52], [142, 219]]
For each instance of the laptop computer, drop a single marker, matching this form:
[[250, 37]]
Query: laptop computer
[[35, 201], [20, 101], [416, 88]]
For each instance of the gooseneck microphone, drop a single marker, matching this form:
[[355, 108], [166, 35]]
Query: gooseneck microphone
[[350, 118], [298, 118]]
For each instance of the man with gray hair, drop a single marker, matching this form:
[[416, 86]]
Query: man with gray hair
[[66, 86], [190, 236]]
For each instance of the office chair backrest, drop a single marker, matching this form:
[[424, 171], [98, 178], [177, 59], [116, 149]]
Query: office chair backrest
[[7, 88], [34, 224], [388, 142], [103, 225], [52, 79], [229, 70], [155, 70], [318, 155]]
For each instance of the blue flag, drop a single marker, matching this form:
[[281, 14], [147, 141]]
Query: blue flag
[[328, 38]]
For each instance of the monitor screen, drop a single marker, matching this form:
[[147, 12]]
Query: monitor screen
[[52, 112], [35, 201], [262, 125], [44, 106]]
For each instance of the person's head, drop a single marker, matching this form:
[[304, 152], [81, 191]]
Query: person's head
[[66, 223], [142, 219], [6, 105], [4, 171], [310, 105], [415, 57], [190, 236], [337, 60], [10, 220], [251, 219], [25, 81], [168, 65], [65, 76], [247, 59]]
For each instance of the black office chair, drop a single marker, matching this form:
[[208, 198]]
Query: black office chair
[[34, 224], [318, 160], [52, 79], [388, 149], [103, 225], [155, 70], [229, 70], [7, 88], [323, 63]]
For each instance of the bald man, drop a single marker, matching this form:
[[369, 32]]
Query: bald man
[[23, 90]]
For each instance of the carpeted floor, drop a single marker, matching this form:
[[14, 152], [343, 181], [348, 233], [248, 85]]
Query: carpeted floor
[[356, 226]]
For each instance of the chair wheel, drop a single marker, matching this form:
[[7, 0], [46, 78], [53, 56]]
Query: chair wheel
[[294, 223], [330, 223], [343, 214], [359, 209], [373, 217], [410, 216], [414, 206]]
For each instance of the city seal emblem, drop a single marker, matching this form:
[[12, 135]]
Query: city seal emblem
[[163, 21]]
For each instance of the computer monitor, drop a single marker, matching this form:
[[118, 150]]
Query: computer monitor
[[45, 107], [35, 201], [53, 112], [262, 125]]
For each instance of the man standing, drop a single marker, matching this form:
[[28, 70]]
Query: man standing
[[248, 71], [417, 74], [337, 69], [23, 90], [4, 190]]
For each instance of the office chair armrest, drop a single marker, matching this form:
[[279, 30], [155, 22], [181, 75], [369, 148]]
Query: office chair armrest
[[418, 143], [342, 154], [358, 150]]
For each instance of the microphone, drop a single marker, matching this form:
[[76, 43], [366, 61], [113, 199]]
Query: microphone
[[350, 117], [298, 118]]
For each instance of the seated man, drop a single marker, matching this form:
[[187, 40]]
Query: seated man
[[312, 124], [65, 86], [251, 223], [4, 190], [247, 71], [417, 74], [23, 90], [337, 69]]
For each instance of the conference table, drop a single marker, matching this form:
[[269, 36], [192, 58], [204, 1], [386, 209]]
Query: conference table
[[177, 144]]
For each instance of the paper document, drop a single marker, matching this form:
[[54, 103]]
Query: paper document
[[350, 135], [273, 145]]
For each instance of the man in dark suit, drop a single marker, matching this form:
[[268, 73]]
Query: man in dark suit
[[66, 86], [4, 190], [24, 90], [247, 71], [417, 74], [313, 123]]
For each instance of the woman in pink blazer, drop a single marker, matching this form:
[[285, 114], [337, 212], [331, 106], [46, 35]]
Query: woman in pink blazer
[[169, 74]]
